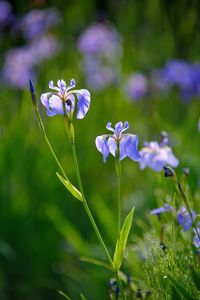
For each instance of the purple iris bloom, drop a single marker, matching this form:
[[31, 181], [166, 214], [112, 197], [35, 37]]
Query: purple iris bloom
[[162, 209], [100, 46], [136, 86], [38, 21], [18, 67], [196, 240], [43, 48], [53, 101], [100, 39], [184, 218], [181, 74], [5, 13], [156, 156], [124, 144]]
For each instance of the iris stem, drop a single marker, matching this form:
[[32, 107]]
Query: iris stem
[[119, 201], [90, 216], [87, 209], [120, 285], [41, 125], [185, 200]]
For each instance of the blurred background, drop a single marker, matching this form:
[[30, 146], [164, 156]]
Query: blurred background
[[140, 61]]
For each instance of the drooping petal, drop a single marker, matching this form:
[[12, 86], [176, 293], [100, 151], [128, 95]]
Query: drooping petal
[[83, 102], [112, 145], [128, 147], [184, 218], [55, 105], [172, 160], [162, 209], [102, 146], [70, 103], [45, 101]]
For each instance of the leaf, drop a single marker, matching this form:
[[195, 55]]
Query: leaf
[[96, 262], [71, 188], [179, 286], [64, 295], [122, 240], [82, 297]]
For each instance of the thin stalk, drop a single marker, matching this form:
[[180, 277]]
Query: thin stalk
[[48, 142], [87, 209], [184, 197], [120, 285], [119, 201], [188, 208]]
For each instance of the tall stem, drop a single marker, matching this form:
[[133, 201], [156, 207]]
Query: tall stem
[[87, 209], [119, 201], [184, 197], [120, 285], [188, 208], [48, 142]]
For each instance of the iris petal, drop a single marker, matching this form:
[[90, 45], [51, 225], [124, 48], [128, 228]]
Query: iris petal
[[102, 146], [112, 145], [83, 103], [128, 147]]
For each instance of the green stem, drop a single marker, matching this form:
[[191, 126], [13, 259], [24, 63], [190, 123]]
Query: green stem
[[119, 202], [87, 209], [48, 142], [120, 285], [188, 208], [185, 199]]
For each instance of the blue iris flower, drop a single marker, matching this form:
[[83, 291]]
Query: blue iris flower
[[123, 144], [162, 209], [156, 156], [184, 218], [196, 240], [64, 95]]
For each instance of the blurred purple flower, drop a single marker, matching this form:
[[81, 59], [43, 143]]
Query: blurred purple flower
[[136, 86], [184, 218], [64, 95], [162, 209], [124, 144], [158, 81], [196, 240], [156, 156], [5, 13], [44, 47], [100, 45], [18, 67], [181, 74], [37, 22], [100, 39]]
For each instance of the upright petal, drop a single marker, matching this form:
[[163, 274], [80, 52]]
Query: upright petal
[[62, 85], [83, 102], [108, 126], [102, 146], [53, 87], [128, 147]]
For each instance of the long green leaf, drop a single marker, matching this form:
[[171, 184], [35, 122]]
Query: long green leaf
[[122, 240], [96, 262], [64, 295], [82, 297], [71, 188]]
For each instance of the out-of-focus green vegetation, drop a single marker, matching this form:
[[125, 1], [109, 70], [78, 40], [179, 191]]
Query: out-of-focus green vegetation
[[43, 231]]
